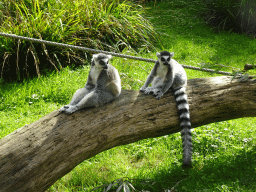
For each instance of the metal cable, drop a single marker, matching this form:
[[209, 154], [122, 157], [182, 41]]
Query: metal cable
[[105, 52]]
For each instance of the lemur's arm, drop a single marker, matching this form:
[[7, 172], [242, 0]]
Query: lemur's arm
[[150, 77], [102, 80], [89, 85]]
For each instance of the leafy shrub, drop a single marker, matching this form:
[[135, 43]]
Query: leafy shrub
[[107, 25], [236, 15]]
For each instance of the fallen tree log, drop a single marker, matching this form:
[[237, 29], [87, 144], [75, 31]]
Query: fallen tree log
[[33, 157]]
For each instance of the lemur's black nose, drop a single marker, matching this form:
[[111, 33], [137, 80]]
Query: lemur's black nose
[[105, 67]]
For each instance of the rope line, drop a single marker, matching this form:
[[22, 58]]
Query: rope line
[[105, 52]]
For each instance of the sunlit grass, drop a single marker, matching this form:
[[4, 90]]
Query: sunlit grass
[[224, 152]]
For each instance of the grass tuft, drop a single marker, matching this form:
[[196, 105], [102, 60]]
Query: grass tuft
[[105, 25]]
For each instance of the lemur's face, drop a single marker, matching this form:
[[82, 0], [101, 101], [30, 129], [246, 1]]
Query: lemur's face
[[165, 59], [101, 60]]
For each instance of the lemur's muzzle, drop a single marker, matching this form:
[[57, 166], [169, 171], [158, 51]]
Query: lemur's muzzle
[[105, 67]]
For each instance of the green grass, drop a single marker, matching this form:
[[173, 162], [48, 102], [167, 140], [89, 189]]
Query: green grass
[[233, 15], [224, 152]]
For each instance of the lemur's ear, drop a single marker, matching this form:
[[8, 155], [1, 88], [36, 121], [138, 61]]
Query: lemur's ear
[[109, 57], [94, 56], [172, 53], [92, 62], [158, 54]]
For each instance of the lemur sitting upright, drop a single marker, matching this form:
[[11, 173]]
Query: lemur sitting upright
[[102, 86], [168, 73]]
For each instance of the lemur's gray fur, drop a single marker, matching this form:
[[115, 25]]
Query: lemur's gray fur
[[168, 73], [102, 86]]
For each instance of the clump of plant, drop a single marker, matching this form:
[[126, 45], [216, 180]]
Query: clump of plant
[[107, 25], [236, 15]]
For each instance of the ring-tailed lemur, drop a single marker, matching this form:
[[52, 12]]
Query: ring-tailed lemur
[[103, 85], [168, 73]]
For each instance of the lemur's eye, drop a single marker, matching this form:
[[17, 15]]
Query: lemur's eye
[[162, 59], [102, 63], [168, 59]]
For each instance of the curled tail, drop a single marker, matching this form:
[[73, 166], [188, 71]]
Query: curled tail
[[185, 124]]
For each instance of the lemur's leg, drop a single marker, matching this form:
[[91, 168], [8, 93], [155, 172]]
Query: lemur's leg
[[95, 98], [77, 97], [155, 86]]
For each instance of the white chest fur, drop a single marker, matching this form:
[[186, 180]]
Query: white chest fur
[[160, 77], [95, 72], [162, 71]]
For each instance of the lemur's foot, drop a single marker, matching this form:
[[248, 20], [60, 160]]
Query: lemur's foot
[[142, 89], [156, 92], [68, 109], [71, 109], [63, 108], [159, 95]]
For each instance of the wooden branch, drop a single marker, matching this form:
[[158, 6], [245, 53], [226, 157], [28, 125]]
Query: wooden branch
[[33, 157], [248, 67]]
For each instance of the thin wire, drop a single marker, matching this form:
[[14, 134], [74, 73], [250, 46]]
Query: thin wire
[[105, 52]]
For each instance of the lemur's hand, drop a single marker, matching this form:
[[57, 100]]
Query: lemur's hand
[[148, 90]]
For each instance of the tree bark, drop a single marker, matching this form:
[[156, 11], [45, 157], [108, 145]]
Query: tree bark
[[33, 157]]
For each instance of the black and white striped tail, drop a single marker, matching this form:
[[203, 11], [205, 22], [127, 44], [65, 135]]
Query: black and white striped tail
[[185, 124]]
